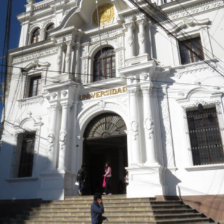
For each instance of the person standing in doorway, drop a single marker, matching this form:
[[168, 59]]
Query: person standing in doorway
[[97, 210], [108, 176], [81, 178]]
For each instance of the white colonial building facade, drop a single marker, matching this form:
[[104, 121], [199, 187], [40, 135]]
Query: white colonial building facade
[[104, 81]]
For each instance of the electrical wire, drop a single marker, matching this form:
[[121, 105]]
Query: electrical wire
[[5, 52], [164, 16]]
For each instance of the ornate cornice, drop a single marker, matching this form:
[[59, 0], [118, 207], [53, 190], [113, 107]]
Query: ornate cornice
[[195, 9], [34, 55]]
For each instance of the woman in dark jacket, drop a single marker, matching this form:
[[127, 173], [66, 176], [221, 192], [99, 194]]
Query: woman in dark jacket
[[97, 210]]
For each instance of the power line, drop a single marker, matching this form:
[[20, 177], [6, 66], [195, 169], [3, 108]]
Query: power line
[[5, 51], [124, 78], [204, 47], [164, 16]]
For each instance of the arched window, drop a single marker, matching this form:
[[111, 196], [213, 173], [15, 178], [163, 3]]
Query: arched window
[[35, 36], [48, 29], [104, 64]]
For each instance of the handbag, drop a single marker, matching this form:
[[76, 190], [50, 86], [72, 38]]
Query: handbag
[[104, 182]]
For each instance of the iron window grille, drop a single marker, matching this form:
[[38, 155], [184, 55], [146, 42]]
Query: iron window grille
[[205, 138]]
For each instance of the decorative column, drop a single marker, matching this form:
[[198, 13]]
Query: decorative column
[[77, 61], [134, 125], [68, 57], [52, 132], [129, 43], [149, 126], [142, 34], [59, 59], [63, 133]]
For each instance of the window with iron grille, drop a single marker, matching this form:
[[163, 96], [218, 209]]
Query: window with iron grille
[[206, 144], [34, 86], [27, 141], [191, 50], [104, 64]]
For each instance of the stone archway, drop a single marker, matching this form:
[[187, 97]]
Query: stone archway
[[105, 140]]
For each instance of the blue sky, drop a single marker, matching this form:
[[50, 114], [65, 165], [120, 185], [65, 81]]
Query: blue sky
[[18, 6]]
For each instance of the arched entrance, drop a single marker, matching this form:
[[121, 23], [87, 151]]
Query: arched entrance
[[105, 140]]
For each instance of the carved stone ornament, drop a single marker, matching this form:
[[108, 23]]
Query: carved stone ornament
[[64, 93], [149, 127], [134, 129], [134, 126], [32, 56], [196, 9], [54, 95], [51, 138], [102, 104], [63, 136]]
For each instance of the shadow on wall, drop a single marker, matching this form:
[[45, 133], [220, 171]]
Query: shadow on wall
[[171, 182], [43, 184]]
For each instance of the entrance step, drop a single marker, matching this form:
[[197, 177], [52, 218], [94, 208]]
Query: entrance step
[[118, 210]]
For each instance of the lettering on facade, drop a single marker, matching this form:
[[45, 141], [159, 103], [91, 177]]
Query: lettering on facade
[[103, 93]]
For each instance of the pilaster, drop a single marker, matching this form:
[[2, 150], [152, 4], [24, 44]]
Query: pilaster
[[141, 21], [134, 130], [129, 37], [59, 58], [52, 136], [68, 57], [149, 125]]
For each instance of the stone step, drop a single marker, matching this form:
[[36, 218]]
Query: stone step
[[109, 222], [179, 221], [114, 214], [109, 205], [111, 210], [118, 209], [184, 220], [105, 201], [87, 209]]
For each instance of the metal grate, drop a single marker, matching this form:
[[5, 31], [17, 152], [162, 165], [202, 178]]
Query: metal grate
[[206, 144]]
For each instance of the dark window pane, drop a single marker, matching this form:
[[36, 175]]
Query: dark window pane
[[35, 36], [205, 137], [48, 29], [26, 156], [104, 64], [191, 50], [35, 86]]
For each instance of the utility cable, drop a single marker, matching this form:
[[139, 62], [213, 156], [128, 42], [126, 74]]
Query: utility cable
[[5, 52], [170, 33]]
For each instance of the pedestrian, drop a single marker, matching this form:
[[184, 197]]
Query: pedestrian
[[126, 178], [81, 178], [107, 176], [97, 210]]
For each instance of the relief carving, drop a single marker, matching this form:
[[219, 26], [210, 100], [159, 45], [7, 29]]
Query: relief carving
[[63, 136], [134, 129], [149, 127]]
